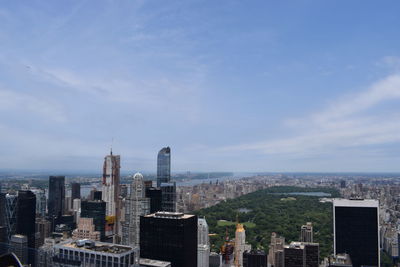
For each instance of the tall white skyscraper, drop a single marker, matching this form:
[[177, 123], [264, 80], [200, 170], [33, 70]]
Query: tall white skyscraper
[[110, 188], [203, 243], [136, 205]]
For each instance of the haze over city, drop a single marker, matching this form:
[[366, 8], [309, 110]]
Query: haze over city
[[229, 86]]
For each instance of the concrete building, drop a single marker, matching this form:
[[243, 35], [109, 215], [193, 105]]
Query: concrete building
[[153, 263], [136, 205], [85, 253], [86, 230], [203, 243], [111, 180], [306, 234], [275, 253], [19, 246], [240, 244]]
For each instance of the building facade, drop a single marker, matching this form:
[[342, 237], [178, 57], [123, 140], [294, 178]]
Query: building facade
[[356, 230], [111, 180], [95, 209], [26, 220], [163, 166], [203, 243], [136, 205], [169, 236], [86, 230], [56, 201], [306, 234]]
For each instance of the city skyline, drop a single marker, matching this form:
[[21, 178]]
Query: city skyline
[[280, 87]]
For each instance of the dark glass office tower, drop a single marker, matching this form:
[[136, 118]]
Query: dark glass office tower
[[97, 210], [56, 200], [154, 194], [75, 191], [255, 258], [169, 236], [356, 230], [164, 166], [168, 195], [26, 220]]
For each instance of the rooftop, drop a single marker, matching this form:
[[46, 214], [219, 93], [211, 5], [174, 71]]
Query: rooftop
[[90, 245], [155, 263], [367, 203], [170, 215]]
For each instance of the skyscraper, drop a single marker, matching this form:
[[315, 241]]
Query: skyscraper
[[75, 191], [110, 188], [155, 196], [240, 244], [26, 220], [11, 214], [56, 200], [356, 230], [40, 202], [164, 166], [136, 205], [169, 236], [168, 196], [95, 209], [306, 234], [203, 243]]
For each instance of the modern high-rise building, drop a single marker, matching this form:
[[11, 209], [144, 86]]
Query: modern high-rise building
[[111, 179], [26, 220], [41, 202], [75, 191], [19, 246], [11, 214], [56, 202], [203, 243], [169, 236], [163, 166], [299, 254], [254, 258], [167, 187], [136, 205], [155, 196], [95, 209], [43, 227], [168, 196], [356, 230], [306, 234]]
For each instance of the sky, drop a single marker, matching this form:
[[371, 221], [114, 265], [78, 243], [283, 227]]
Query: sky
[[243, 86]]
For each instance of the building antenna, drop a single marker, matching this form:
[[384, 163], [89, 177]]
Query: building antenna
[[112, 142]]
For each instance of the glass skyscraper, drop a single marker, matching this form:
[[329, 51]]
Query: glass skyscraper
[[164, 166], [56, 202], [356, 230]]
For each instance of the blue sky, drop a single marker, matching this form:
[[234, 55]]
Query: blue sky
[[229, 85]]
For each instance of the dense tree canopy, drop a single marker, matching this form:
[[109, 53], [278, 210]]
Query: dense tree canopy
[[271, 210]]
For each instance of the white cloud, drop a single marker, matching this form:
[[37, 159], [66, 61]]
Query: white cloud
[[345, 123]]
